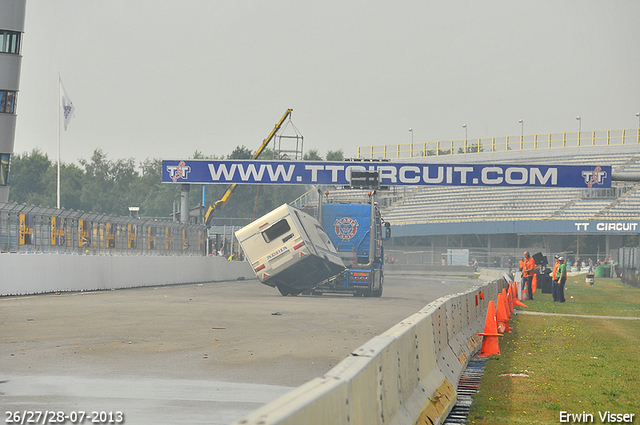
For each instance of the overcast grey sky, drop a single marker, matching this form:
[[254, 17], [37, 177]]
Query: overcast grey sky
[[163, 78]]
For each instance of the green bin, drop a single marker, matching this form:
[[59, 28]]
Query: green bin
[[603, 270], [600, 271]]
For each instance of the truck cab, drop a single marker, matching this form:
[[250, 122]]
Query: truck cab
[[357, 231]]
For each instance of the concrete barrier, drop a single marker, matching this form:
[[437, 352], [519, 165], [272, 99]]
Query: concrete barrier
[[42, 273], [490, 274], [406, 375], [450, 270]]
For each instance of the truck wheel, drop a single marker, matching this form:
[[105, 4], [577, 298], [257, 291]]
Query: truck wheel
[[285, 290]]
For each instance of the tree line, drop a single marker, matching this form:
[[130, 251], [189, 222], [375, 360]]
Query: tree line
[[107, 186]]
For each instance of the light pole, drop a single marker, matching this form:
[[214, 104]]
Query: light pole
[[579, 128], [521, 128], [638, 115], [411, 131], [579, 125], [465, 131]]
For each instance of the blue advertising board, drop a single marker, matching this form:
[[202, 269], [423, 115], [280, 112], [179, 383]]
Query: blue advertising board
[[391, 174]]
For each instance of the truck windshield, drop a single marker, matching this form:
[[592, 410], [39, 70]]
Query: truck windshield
[[277, 230]]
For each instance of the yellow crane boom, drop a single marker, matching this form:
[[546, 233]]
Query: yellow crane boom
[[219, 204]]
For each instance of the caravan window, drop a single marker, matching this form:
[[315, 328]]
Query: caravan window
[[277, 230]]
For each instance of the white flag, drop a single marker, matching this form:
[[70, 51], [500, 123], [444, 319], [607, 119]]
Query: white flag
[[67, 106]]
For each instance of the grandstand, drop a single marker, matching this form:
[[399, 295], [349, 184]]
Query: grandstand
[[434, 216], [454, 204]]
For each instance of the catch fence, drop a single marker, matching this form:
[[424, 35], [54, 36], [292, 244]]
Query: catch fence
[[31, 229], [507, 259], [629, 259]]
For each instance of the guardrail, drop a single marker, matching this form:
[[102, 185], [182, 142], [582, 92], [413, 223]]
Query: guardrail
[[31, 229], [502, 144], [406, 375]]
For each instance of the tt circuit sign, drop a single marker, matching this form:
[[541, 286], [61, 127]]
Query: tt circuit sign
[[607, 227], [400, 174]]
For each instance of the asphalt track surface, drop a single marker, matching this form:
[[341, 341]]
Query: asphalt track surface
[[188, 354]]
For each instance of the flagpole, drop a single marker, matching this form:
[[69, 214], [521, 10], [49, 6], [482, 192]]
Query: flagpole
[[58, 182]]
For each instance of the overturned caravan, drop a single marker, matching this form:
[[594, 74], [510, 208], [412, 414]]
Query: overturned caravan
[[289, 250]]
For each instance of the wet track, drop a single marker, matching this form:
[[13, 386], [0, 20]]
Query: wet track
[[206, 353]]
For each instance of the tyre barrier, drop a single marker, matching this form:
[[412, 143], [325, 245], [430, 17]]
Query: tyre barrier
[[407, 375]]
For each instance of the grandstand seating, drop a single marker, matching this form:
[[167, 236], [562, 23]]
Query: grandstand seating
[[459, 204]]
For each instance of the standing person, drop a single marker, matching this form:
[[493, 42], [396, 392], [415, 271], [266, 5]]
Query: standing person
[[555, 276], [528, 268], [521, 269], [521, 264], [562, 271]]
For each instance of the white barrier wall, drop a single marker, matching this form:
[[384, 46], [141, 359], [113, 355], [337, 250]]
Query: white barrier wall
[[39, 273], [408, 375]]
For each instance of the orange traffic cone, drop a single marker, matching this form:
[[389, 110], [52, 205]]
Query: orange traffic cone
[[505, 299], [516, 301], [510, 297], [490, 335], [502, 318]]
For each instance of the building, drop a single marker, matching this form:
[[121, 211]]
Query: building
[[12, 14]]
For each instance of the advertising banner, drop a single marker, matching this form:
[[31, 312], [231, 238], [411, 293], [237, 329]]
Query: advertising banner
[[391, 174], [168, 238], [151, 240], [111, 236], [84, 233], [185, 240], [132, 235], [27, 225], [58, 225]]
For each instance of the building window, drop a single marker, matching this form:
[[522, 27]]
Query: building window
[[9, 42], [8, 102], [4, 168]]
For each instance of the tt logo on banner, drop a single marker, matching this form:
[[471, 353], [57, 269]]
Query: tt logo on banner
[[180, 171]]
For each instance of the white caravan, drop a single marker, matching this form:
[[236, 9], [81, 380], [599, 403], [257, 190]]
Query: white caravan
[[288, 249]]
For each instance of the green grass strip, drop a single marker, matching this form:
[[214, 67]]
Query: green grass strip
[[574, 365]]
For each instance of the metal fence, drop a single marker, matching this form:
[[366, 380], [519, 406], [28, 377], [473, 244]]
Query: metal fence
[[507, 259], [31, 229], [502, 144], [629, 257], [629, 265], [452, 257]]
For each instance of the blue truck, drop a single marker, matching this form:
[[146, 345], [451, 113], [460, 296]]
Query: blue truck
[[357, 232]]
